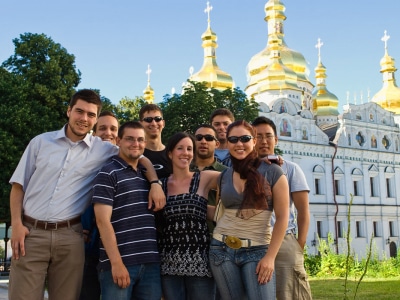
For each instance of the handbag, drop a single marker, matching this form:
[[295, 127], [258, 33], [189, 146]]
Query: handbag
[[219, 208]]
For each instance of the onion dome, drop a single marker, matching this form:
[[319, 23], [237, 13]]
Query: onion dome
[[148, 92], [324, 102], [277, 76], [275, 17], [210, 73], [389, 96]]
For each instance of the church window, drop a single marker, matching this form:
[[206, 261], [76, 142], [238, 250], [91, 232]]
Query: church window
[[359, 229], [386, 142], [377, 232]]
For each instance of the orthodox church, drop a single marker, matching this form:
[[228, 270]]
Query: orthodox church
[[354, 155]]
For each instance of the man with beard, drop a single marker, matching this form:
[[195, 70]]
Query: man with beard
[[206, 143]]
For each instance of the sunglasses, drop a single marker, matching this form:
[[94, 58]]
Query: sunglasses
[[207, 137], [150, 119], [242, 139]]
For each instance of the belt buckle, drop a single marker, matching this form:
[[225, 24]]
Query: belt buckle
[[50, 226], [233, 242]]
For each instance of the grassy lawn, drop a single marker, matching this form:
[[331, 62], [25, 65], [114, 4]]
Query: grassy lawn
[[369, 289]]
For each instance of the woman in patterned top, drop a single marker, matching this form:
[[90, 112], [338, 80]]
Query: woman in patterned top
[[243, 250], [184, 239]]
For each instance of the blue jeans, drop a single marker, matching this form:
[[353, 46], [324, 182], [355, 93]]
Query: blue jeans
[[145, 284], [188, 287], [234, 272]]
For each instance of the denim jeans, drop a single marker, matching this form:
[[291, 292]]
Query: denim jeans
[[188, 287], [234, 272], [145, 284]]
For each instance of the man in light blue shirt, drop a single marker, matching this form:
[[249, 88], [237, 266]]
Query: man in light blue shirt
[[51, 187]]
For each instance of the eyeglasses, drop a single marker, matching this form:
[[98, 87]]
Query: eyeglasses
[[268, 137], [242, 139], [208, 137], [150, 119], [131, 139]]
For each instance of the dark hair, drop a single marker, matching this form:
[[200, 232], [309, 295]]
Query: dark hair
[[222, 112], [87, 96], [174, 140], [207, 126], [129, 124], [147, 108], [105, 113], [255, 191], [264, 120]]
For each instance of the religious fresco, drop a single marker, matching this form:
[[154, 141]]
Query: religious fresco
[[285, 128], [386, 142], [373, 142], [304, 135], [360, 139]]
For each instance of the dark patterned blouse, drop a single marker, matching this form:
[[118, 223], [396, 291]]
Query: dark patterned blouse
[[184, 242]]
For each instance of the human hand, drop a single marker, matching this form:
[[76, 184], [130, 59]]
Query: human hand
[[156, 197], [120, 275], [19, 232], [265, 269]]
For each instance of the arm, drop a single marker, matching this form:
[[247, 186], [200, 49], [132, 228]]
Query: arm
[[300, 200], [119, 272], [19, 231], [156, 194], [280, 192]]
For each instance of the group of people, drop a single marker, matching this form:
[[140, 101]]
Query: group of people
[[144, 211]]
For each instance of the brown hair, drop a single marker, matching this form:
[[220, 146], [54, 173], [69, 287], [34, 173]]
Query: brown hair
[[255, 192]]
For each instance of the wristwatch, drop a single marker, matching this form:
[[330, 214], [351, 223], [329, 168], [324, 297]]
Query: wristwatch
[[156, 181]]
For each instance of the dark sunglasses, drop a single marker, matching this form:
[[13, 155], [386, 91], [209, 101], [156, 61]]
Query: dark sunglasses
[[242, 139], [150, 119], [208, 137]]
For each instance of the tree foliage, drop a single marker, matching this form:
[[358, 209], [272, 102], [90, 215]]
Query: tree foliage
[[128, 109], [194, 106], [36, 84]]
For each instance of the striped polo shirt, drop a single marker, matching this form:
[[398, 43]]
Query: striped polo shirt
[[120, 186]]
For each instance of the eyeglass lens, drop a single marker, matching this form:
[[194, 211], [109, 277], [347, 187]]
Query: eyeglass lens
[[150, 119], [242, 139], [207, 137]]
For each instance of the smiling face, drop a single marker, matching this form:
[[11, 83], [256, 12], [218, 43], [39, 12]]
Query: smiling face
[[240, 150], [81, 119], [131, 144], [266, 140], [221, 123], [182, 154], [107, 129], [153, 129]]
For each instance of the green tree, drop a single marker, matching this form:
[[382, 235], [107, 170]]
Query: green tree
[[49, 72], [128, 109], [194, 106]]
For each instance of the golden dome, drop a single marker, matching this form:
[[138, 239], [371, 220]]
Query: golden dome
[[389, 95], [276, 76], [275, 17], [324, 103], [148, 92], [210, 73]]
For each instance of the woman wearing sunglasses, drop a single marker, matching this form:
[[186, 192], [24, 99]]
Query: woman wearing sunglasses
[[184, 240], [243, 249]]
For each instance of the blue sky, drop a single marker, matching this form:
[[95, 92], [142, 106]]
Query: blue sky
[[114, 41]]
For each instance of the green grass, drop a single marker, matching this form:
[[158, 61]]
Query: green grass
[[369, 289]]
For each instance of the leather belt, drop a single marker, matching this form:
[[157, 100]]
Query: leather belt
[[45, 225], [235, 242]]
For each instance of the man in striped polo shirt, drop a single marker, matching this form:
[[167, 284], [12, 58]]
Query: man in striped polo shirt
[[129, 265]]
